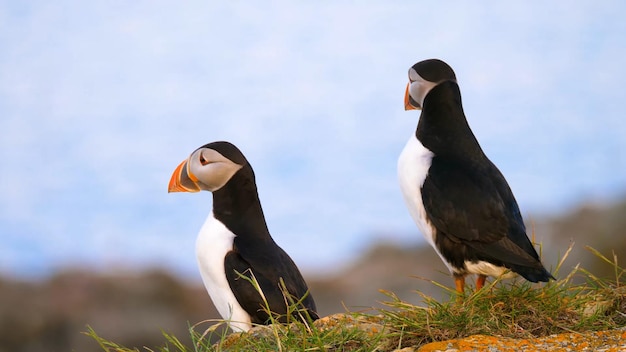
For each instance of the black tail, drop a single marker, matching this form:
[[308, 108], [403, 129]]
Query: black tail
[[533, 274]]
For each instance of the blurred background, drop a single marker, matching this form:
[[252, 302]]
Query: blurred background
[[100, 101]]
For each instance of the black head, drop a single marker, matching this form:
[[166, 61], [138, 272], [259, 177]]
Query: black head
[[433, 70], [228, 150], [424, 76]]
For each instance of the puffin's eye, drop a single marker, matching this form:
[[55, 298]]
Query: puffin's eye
[[203, 161]]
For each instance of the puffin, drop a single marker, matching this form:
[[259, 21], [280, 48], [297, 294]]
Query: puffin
[[458, 198], [234, 248]]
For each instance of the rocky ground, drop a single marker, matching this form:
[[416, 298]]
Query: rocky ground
[[133, 308]]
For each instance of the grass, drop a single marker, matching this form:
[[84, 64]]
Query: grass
[[516, 309]]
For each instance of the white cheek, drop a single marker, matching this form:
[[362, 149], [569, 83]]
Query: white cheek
[[214, 176], [419, 89], [414, 76], [415, 90]]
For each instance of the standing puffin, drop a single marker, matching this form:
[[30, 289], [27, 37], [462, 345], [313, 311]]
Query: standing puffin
[[235, 241], [457, 197]]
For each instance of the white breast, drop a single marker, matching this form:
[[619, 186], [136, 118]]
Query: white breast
[[413, 165], [214, 241]]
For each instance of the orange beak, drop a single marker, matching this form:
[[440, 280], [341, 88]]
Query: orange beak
[[407, 100], [183, 180]]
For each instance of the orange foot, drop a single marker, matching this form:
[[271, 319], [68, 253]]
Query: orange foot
[[459, 282], [480, 281]]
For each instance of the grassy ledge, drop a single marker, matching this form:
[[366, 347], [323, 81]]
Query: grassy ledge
[[515, 309]]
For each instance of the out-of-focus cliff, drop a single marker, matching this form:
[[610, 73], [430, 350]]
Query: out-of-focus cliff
[[132, 309]]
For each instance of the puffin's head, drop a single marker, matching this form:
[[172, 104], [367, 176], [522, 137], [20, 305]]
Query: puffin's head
[[208, 168], [423, 77]]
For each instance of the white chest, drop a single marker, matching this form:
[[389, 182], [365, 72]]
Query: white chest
[[212, 244], [413, 165]]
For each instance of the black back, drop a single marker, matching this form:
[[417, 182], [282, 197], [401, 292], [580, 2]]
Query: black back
[[466, 197], [255, 253]]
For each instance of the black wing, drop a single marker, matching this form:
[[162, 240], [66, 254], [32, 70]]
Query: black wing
[[475, 206], [271, 264]]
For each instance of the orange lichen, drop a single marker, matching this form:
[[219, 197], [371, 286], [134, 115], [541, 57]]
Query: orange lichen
[[613, 340]]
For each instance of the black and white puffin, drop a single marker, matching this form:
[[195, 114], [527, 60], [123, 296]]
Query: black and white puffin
[[457, 197], [235, 241]]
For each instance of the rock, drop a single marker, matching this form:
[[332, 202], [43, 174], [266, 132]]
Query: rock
[[614, 340], [369, 324]]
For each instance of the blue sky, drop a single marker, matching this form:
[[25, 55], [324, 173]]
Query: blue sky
[[100, 100]]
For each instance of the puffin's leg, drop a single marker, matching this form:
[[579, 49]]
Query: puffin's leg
[[480, 281], [459, 282]]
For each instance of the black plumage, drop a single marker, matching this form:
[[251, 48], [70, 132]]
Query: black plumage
[[254, 253], [467, 201], [234, 248]]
